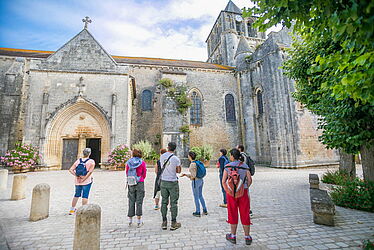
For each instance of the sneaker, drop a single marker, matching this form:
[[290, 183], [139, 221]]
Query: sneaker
[[248, 241], [230, 238], [205, 212], [175, 225], [72, 211], [140, 224], [196, 214], [164, 225], [250, 213], [156, 207], [223, 205]]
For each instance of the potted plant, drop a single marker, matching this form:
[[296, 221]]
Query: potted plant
[[119, 156], [203, 153], [22, 158]]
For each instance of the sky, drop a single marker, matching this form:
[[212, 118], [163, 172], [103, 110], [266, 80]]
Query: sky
[[175, 29]]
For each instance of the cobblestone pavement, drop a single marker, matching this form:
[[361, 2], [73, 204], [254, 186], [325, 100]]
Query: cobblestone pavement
[[280, 203]]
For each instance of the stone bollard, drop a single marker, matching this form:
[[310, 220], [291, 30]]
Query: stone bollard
[[19, 187], [314, 181], [87, 227], [40, 202], [3, 179], [322, 206]]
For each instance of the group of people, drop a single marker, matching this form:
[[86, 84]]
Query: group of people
[[235, 175]]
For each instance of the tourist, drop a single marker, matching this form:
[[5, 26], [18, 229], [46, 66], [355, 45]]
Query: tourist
[[221, 163], [197, 184], [157, 193], [170, 166], [236, 202], [82, 169], [136, 172]]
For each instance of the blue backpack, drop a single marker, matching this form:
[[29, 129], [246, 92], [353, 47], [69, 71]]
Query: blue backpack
[[226, 160], [81, 169], [201, 171]]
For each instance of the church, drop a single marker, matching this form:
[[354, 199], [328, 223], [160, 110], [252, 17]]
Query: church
[[80, 96]]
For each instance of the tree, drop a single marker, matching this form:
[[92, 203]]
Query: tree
[[332, 63]]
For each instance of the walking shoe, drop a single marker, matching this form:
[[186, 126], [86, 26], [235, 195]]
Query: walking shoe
[[196, 214], [230, 238], [72, 211], [175, 225], [205, 212], [250, 213], [156, 207], [248, 240], [140, 224], [223, 205], [164, 225]]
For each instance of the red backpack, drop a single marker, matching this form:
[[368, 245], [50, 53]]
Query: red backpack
[[235, 185]]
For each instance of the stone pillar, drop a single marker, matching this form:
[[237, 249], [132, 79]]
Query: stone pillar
[[19, 187], [3, 179], [40, 202], [87, 227], [314, 181]]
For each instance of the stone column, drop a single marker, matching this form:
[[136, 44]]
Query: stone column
[[3, 179], [87, 227], [19, 187], [40, 202]]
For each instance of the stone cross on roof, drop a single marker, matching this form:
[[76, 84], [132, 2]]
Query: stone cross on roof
[[86, 21]]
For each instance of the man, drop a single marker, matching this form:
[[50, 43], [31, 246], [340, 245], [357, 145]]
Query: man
[[247, 160], [170, 166], [82, 170]]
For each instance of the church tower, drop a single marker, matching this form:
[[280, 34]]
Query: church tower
[[225, 35]]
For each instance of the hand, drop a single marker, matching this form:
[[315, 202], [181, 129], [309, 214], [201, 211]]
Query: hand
[[183, 175]]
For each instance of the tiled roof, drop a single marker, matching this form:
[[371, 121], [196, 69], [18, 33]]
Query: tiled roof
[[121, 59]]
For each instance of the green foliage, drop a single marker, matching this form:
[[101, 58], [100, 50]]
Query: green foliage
[[203, 153], [185, 129], [368, 245], [166, 82], [178, 93], [146, 148], [338, 177], [22, 157], [347, 23], [119, 155], [355, 194]]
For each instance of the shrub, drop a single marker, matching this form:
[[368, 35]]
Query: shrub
[[119, 155], [22, 157], [146, 148], [203, 153], [368, 245], [338, 177], [355, 194], [166, 82], [185, 129]]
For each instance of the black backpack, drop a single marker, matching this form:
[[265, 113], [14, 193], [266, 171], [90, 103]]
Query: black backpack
[[249, 162]]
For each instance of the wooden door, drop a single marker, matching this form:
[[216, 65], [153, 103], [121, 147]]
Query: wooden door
[[69, 152]]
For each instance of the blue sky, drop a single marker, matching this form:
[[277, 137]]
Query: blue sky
[[152, 28]]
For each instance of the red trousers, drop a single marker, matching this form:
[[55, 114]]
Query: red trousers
[[243, 205]]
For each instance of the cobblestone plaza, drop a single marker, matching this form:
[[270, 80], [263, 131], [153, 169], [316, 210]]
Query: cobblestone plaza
[[279, 200]]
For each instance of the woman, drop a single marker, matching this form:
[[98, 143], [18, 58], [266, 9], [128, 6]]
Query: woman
[[136, 172], [197, 185], [241, 203], [221, 163], [156, 192]]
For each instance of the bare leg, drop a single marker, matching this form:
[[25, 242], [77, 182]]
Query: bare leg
[[246, 229], [84, 201], [233, 228], [74, 202], [157, 200]]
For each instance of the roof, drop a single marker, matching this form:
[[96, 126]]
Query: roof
[[231, 7], [121, 59]]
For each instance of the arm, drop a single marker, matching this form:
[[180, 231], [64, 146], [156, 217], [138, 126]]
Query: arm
[[90, 171], [72, 169], [178, 169], [156, 167], [224, 179], [192, 169], [144, 173], [249, 178]]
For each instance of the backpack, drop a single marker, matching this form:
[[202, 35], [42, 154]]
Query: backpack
[[235, 185], [81, 169], [132, 178], [226, 161], [200, 171], [249, 162]]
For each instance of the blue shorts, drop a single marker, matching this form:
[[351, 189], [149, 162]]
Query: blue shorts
[[85, 189]]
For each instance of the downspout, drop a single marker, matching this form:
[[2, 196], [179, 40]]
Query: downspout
[[240, 101]]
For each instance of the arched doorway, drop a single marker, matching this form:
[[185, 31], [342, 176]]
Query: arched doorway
[[73, 128]]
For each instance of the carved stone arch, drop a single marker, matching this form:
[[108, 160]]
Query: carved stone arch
[[79, 119], [195, 90]]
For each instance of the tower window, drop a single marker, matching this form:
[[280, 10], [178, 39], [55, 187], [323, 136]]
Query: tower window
[[146, 100], [195, 110], [260, 104], [230, 108]]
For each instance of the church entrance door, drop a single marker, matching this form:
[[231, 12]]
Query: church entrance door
[[95, 145], [69, 152]]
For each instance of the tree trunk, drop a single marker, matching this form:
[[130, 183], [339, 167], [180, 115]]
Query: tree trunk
[[367, 159], [347, 163]]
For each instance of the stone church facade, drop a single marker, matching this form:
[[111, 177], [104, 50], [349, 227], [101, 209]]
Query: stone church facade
[[81, 96]]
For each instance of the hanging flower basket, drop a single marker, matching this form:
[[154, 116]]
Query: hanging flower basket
[[22, 158]]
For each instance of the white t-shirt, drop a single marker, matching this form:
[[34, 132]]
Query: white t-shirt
[[170, 171]]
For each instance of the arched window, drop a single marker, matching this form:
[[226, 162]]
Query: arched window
[[195, 110], [260, 104], [230, 108], [146, 100]]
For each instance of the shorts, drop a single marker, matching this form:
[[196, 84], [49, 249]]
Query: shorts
[[82, 190]]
